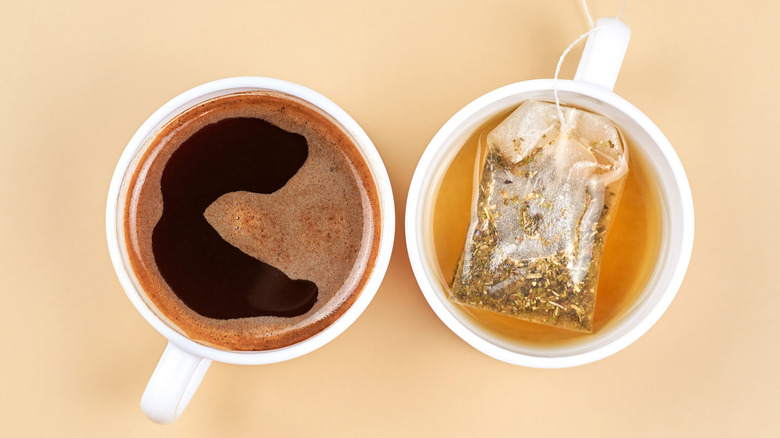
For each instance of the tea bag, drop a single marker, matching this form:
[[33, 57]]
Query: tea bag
[[541, 212]]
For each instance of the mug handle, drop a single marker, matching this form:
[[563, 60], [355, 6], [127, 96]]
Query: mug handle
[[603, 54], [173, 383]]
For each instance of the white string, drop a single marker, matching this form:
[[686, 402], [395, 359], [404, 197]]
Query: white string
[[587, 12], [571, 46], [622, 8]]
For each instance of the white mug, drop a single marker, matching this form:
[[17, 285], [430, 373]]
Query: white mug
[[591, 90], [185, 361]]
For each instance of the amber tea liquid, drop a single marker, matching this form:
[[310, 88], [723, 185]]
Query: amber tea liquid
[[629, 256]]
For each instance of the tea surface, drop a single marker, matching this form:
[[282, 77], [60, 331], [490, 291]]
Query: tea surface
[[626, 265]]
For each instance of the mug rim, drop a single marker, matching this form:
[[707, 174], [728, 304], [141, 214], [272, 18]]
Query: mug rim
[[372, 158], [414, 226]]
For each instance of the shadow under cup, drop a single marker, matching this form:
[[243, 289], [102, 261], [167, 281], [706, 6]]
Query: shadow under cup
[[667, 251]]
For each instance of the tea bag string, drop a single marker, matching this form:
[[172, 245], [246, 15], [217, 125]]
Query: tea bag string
[[571, 46]]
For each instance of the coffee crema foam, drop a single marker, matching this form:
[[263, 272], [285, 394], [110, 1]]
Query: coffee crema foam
[[323, 225]]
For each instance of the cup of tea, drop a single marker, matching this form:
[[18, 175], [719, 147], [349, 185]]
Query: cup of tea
[[649, 245], [250, 221]]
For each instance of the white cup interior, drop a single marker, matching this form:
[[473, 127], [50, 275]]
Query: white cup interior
[[118, 192], [676, 234]]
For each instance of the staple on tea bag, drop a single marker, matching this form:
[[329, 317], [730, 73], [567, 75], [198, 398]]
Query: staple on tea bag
[[541, 212]]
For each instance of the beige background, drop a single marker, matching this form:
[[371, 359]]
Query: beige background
[[78, 78]]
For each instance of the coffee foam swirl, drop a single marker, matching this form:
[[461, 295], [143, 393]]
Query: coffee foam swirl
[[323, 225]]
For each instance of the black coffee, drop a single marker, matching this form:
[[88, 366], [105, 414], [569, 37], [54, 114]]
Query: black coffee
[[252, 221], [211, 276]]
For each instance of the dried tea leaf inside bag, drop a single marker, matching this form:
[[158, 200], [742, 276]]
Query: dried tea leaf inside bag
[[541, 212]]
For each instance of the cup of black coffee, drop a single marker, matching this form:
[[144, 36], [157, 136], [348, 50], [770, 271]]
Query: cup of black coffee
[[250, 220]]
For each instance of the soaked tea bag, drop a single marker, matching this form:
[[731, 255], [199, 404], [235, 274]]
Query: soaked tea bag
[[541, 212]]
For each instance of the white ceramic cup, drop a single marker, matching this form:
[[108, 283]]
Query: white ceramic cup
[[591, 89], [185, 361]]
